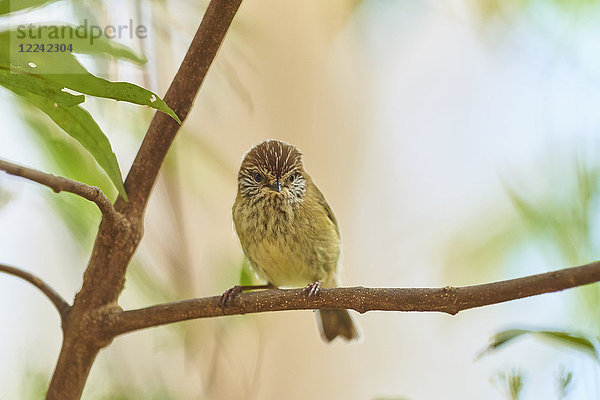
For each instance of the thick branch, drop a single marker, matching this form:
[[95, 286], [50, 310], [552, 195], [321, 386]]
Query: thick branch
[[115, 243], [104, 277], [449, 300], [61, 305], [61, 184]]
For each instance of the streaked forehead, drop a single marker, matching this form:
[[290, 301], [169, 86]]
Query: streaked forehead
[[273, 156]]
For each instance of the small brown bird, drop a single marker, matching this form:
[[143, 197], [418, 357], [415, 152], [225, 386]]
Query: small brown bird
[[287, 230]]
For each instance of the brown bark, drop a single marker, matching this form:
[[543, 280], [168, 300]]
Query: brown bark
[[450, 300], [61, 305], [118, 238], [61, 184]]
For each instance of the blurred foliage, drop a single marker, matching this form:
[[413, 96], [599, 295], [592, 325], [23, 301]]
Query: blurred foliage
[[564, 381], [34, 384], [556, 216], [573, 341], [151, 392], [5, 197], [147, 284], [247, 276], [555, 221], [482, 249], [392, 398], [8, 6], [565, 224], [510, 383], [564, 218], [508, 10]]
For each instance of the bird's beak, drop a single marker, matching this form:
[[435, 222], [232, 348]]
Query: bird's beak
[[276, 186]]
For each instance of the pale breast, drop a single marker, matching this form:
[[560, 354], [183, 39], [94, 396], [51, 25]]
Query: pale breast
[[286, 249]]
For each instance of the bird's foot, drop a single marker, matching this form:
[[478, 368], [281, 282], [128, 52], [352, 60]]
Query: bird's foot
[[228, 295], [312, 289]]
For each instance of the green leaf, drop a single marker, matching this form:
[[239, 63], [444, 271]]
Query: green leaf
[[41, 78], [564, 382], [247, 277], [34, 383], [123, 91], [79, 124], [69, 159], [511, 383], [503, 337], [40, 86], [63, 69], [8, 6], [575, 341], [83, 40]]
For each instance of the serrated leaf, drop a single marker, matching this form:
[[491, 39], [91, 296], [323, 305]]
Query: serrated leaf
[[80, 125]]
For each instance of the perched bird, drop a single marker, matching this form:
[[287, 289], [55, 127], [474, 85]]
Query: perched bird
[[287, 230]]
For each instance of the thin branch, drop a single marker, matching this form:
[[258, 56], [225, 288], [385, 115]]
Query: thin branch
[[61, 184], [61, 305], [448, 299]]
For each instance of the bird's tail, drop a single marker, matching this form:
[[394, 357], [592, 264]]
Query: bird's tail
[[336, 322]]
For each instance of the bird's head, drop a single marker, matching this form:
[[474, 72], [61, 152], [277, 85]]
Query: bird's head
[[272, 170]]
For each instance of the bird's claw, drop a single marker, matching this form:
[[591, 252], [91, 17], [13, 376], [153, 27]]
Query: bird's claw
[[228, 295], [312, 289]]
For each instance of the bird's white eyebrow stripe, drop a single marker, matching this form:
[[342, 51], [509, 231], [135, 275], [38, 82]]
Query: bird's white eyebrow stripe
[[287, 158]]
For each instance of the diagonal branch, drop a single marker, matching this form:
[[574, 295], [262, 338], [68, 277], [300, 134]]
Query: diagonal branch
[[180, 97], [448, 299], [61, 305], [61, 184], [104, 278]]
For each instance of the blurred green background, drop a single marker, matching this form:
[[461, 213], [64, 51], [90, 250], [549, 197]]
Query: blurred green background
[[457, 142]]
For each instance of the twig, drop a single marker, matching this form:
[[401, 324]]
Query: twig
[[449, 300], [61, 305], [61, 184]]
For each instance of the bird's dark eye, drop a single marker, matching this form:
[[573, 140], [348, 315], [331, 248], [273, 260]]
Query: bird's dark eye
[[292, 178], [257, 177]]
